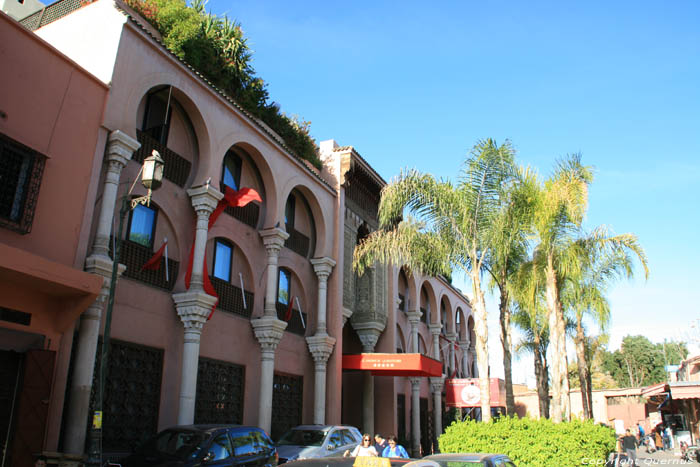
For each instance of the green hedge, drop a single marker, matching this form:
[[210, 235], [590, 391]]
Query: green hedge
[[533, 443]]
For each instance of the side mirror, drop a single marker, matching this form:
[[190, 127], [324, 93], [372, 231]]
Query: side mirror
[[208, 457], [330, 447]]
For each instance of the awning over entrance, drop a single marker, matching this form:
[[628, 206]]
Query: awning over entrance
[[393, 364], [685, 390]]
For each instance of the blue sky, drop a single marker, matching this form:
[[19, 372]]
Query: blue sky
[[413, 84]]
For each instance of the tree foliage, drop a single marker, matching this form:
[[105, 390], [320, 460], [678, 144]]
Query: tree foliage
[[217, 48], [639, 362]]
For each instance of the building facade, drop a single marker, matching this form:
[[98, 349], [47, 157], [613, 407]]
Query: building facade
[[267, 349]]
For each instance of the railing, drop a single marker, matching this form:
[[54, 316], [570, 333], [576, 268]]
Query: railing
[[297, 242], [177, 168], [248, 214], [51, 13], [295, 324], [231, 298], [134, 256]]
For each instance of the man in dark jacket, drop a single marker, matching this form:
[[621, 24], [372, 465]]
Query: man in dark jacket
[[629, 444]]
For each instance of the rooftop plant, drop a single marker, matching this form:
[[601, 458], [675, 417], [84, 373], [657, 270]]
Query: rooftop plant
[[216, 47]]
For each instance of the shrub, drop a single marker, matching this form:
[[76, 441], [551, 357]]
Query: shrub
[[533, 443]]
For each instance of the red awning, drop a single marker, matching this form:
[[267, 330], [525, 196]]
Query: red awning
[[685, 391], [393, 364]]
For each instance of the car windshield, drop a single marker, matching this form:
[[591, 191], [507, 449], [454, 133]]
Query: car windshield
[[302, 438], [178, 444]]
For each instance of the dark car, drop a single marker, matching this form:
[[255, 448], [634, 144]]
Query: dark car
[[206, 445], [469, 460]]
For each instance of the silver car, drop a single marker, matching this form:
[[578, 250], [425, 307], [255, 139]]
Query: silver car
[[308, 441]]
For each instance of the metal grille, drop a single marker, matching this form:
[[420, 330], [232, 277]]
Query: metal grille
[[219, 392], [132, 395], [21, 170], [286, 403], [231, 299], [134, 256], [51, 13], [295, 324], [177, 168], [248, 214], [363, 197], [297, 242]]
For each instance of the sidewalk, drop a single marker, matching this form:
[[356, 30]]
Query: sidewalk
[[670, 457]]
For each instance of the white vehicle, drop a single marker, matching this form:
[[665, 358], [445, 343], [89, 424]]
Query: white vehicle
[[308, 441]]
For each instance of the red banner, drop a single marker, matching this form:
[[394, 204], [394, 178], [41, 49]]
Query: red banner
[[393, 364], [465, 392]]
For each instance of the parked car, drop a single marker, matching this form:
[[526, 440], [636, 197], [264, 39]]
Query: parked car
[[309, 441], [468, 460], [206, 445], [364, 461]]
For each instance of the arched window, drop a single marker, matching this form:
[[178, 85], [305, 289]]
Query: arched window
[[284, 282], [142, 225], [231, 171], [155, 121], [223, 259], [290, 211]]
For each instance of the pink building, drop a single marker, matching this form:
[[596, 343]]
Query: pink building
[[289, 304]]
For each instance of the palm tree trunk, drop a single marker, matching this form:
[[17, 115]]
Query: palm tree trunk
[[554, 330], [541, 380], [482, 352], [563, 364], [582, 368], [506, 344]]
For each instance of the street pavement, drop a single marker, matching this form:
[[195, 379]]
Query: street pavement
[[669, 457]]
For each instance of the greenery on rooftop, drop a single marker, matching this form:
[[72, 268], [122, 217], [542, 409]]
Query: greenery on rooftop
[[216, 47]]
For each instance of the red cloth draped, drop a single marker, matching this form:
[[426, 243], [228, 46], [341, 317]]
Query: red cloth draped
[[233, 199], [154, 263], [288, 315]]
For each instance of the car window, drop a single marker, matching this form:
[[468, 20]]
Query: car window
[[335, 439], [244, 443], [504, 463], [263, 444], [463, 463], [181, 444], [350, 438], [302, 438], [220, 448]]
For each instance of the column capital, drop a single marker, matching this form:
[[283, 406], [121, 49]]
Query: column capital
[[120, 147], [435, 328], [102, 266], [268, 331], [204, 198], [436, 384], [414, 316], [451, 335], [369, 334], [463, 344], [323, 266], [274, 238], [415, 382], [347, 313], [194, 308], [321, 347]]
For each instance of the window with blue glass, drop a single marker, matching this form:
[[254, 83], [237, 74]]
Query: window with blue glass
[[231, 174], [223, 255], [142, 225], [283, 284]]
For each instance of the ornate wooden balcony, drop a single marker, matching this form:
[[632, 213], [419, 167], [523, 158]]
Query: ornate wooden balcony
[[134, 256], [177, 168], [231, 298], [297, 242], [295, 324]]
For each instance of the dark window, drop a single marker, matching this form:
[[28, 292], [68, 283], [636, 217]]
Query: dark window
[[283, 286], [219, 392], [231, 175], [220, 448], [21, 169], [155, 122], [142, 225], [223, 254], [289, 210]]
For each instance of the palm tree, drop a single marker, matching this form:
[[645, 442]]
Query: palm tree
[[603, 258], [455, 230], [512, 226], [561, 205]]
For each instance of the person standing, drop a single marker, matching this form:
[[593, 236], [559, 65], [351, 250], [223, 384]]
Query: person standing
[[394, 449], [363, 449], [629, 444], [640, 430], [379, 443]]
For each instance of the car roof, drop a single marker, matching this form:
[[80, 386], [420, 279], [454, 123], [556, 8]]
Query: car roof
[[340, 462], [474, 456], [320, 427], [210, 427]]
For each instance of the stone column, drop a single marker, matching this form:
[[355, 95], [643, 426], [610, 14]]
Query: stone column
[[321, 347], [269, 331], [120, 148], [436, 385], [369, 334], [451, 354], [415, 416], [194, 306], [414, 318], [322, 268], [274, 241], [464, 347], [435, 333]]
